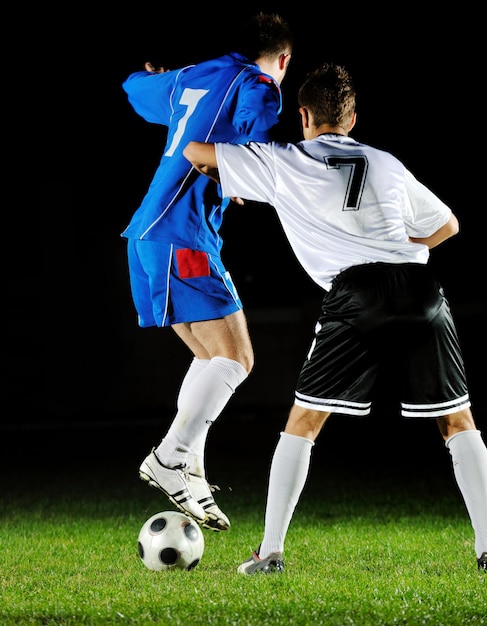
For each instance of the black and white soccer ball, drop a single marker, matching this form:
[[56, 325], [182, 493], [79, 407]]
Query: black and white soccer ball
[[170, 540]]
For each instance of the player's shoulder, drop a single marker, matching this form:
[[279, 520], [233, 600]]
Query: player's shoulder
[[260, 88], [256, 76], [270, 83]]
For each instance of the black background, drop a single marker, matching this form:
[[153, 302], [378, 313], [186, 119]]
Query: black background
[[73, 350]]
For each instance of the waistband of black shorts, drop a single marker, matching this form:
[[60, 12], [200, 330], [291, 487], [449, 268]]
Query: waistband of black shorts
[[373, 268]]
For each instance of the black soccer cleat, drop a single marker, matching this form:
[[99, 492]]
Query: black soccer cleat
[[482, 562]]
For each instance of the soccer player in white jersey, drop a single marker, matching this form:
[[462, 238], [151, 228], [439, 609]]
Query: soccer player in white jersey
[[361, 226]]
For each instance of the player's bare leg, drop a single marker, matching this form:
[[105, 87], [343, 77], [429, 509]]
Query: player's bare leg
[[305, 422], [226, 337]]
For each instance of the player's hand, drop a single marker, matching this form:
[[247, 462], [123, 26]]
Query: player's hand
[[150, 68], [238, 201]]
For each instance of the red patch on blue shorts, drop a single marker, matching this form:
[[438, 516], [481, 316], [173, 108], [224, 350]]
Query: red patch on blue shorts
[[192, 263]]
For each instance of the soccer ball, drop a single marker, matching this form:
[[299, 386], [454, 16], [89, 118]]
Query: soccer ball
[[170, 540]]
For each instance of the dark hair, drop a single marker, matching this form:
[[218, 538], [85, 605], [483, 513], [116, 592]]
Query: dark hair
[[328, 92], [264, 35]]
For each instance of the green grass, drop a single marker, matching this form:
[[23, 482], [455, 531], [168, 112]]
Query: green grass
[[364, 549]]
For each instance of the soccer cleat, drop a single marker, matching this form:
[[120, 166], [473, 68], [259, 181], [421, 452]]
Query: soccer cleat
[[173, 482], [201, 491], [482, 562], [256, 565]]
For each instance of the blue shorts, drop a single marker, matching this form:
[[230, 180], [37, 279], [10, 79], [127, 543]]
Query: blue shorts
[[171, 285]]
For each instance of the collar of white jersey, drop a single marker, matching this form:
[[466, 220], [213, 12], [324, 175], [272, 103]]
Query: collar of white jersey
[[336, 137]]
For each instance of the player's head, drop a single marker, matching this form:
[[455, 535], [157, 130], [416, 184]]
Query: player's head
[[328, 94], [264, 35], [266, 39]]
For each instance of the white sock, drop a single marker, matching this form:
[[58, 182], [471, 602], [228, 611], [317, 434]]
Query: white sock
[[196, 458], [289, 470], [469, 458], [202, 402], [197, 366]]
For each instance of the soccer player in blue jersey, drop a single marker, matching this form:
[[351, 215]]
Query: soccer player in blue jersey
[[176, 272], [362, 226]]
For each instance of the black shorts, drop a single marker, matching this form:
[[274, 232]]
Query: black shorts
[[391, 318]]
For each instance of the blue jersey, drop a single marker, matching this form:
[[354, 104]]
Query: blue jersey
[[227, 99]]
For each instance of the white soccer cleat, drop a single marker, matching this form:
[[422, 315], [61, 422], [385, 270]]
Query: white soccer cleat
[[173, 482], [202, 492], [255, 565]]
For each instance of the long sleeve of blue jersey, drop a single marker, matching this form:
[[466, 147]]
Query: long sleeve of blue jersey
[[252, 111], [149, 94]]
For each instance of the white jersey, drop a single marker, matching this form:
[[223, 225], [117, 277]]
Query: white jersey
[[341, 203]]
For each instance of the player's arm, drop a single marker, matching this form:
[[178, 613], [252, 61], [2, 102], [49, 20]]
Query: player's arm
[[448, 230], [202, 157], [148, 92]]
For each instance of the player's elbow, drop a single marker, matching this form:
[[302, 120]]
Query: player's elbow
[[189, 151], [450, 229], [454, 225]]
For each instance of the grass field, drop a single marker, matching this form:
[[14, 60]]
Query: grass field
[[374, 541]]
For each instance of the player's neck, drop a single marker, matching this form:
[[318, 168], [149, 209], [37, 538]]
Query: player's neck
[[328, 129]]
